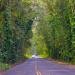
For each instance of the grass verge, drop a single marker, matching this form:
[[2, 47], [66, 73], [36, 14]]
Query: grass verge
[[4, 66]]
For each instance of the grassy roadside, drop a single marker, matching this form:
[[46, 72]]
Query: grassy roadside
[[4, 66]]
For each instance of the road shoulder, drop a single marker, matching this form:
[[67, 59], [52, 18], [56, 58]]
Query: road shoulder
[[67, 65]]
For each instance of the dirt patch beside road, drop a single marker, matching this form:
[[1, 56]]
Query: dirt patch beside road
[[68, 65], [1, 72]]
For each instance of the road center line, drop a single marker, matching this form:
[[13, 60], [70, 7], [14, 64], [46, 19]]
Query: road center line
[[36, 69], [38, 73]]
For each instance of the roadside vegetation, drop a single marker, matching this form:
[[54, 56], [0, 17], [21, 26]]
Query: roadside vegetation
[[41, 27]]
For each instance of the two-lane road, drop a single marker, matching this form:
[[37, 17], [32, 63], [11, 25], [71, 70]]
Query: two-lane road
[[40, 67]]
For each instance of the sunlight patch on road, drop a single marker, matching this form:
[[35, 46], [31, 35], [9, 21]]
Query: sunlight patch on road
[[35, 56]]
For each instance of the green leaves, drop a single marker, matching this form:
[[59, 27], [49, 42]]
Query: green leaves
[[56, 28], [16, 30], [53, 29]]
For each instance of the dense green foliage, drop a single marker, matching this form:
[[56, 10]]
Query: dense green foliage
[[57, 27], [15, 24], [43, 27]]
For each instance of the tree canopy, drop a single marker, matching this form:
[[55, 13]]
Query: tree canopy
[[44, 27]]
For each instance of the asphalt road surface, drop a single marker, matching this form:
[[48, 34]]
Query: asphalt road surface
[[40, 67]]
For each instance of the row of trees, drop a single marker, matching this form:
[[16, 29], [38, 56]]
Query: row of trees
[[15, 29], [57, 26]]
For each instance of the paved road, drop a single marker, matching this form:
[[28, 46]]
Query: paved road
[[40, 67]]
